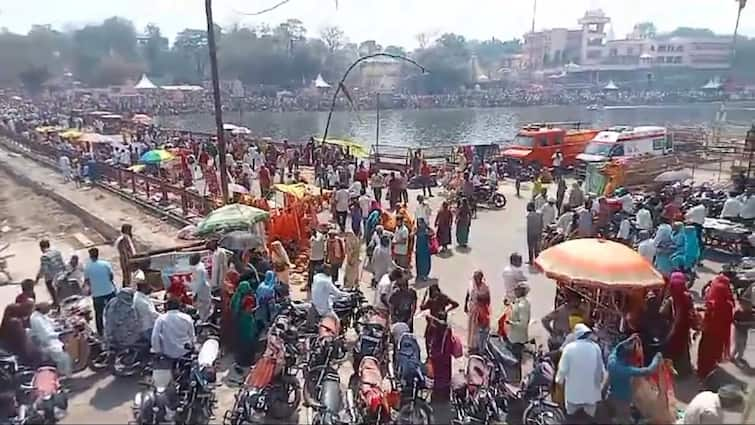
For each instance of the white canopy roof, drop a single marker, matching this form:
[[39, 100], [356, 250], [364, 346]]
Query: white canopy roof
[[320, 82], [145, 83], [712, 84], [183, 88], [611, 86]]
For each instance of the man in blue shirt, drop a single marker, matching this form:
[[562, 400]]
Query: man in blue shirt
[[620, 374], [98, 277]]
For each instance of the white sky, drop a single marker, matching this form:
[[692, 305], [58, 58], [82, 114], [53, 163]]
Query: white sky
[[387, 21]]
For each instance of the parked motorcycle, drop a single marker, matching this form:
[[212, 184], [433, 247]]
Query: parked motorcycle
[[42, 400], [373, 404], [182, 391], [347, 308], [741, 276], [473, 397], [531, 396], [413, 383], [79, 340], [324, 349], [271, 388], [38, 394], [372, 337]]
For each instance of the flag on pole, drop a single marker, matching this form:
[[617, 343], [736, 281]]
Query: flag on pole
[[742, 4]]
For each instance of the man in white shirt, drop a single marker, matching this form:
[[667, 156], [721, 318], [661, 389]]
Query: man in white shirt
[[748, 206], [704, 408], [581, 372], [385, 289], [220, 259], [200, 287], [513, 275], [43, 333], [732, 207], [625, 229], [316, 254], [548, 211], [696, 214], [401, 244], [423, 210], [341, 199], [644, 219], [564, 223], [365, 201], [627, 203], [173, 332], [646, 246], [145, 308], [323, 292]]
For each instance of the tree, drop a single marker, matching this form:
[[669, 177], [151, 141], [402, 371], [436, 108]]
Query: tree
[[154, 49], [115, 70], [691, 32], [333, 37], [645, 29], [34, 78], [191, 47], [395, 50]]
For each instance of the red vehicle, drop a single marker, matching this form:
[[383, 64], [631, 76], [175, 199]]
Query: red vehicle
[[537, 143]]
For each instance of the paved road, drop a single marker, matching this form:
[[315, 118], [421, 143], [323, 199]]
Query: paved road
[[494, 236]]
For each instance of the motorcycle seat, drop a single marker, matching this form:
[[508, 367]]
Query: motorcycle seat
[[500, 351], [209, 352], [369, 372]]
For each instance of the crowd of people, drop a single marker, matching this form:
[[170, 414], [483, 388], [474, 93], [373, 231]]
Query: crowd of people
[[373, 219]]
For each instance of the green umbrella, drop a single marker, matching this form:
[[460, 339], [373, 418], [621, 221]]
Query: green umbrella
[[231, 217]]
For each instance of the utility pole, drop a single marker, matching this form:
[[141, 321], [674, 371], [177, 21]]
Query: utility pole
[[216, 98], [377, 124], [534, 14]]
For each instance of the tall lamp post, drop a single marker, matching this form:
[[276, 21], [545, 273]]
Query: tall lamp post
[[346, 74], [216, 98]]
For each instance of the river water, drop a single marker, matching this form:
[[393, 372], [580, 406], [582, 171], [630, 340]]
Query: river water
[[428, 127]]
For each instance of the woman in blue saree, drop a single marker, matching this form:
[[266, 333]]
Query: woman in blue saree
[[664, 248], [422, 250]]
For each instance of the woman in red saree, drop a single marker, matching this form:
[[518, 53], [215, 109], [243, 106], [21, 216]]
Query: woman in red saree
[[680, 309], [441, 350], [716, 332]]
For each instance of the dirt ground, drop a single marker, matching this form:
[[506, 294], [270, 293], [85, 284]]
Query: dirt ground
[[26, 218]]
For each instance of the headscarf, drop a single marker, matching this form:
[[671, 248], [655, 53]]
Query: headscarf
[[242, 305], [719, 308], [265, 295], [278, 254], [678, 290]]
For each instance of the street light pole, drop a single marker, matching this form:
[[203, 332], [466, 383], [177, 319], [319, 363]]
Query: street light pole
[[212, 47], [346, 74]]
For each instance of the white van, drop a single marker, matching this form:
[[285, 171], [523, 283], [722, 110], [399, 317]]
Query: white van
[[621, 141]]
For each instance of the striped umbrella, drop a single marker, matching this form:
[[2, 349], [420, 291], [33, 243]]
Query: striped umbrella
[[598, 262], [156, 156]]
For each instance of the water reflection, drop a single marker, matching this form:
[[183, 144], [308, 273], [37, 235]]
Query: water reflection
[[429, 127]]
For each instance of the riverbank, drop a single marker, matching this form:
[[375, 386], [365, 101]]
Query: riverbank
[[441, 127]]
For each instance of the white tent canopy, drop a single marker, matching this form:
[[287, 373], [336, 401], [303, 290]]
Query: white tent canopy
[[145, 83], [320, 82], [712, 84], [183, 88], [611, 86]]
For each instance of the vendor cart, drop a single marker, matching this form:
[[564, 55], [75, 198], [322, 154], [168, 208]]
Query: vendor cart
[[726, 236], [606, 275]]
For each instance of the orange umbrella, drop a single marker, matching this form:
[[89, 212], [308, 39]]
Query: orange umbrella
[[598, 262]]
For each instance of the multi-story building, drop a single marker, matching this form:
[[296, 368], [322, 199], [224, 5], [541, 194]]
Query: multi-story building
[[590, 48]]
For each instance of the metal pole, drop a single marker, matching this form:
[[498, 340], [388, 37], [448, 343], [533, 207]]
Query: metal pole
[[377, 124], [216, 98], [346, 74]]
